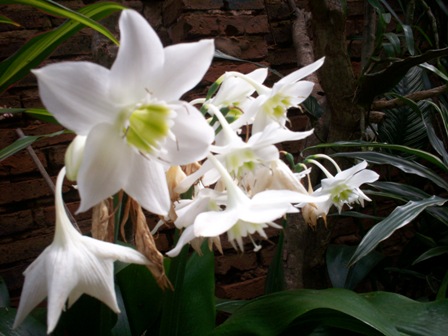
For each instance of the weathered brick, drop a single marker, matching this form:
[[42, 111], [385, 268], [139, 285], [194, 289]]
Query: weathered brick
[[193, 25], [21, 163], [172, 9], [23, 191], [12, 41], [15, 222], [26, 247], [26, 16], [244, 4], [240, 262], [244, 290]]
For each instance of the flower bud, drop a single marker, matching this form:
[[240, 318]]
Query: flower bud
[[74, 155]]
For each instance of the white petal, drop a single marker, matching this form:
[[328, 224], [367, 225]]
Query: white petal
[[214, 223], [273, 134], [302, 73], [76, 94], [364, 176], [193, 136], [147, 184], [186, 237], [140, 53], [185, 65], [34, 289], [105, 166]]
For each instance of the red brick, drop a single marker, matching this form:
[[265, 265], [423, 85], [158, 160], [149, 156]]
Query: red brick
[[245, 290], [26, 16], [240, 262], [193, 25], [23, 191], [21, 163], [26, 247], [172, 9], [15, 222], [245, 4], [12, 41]]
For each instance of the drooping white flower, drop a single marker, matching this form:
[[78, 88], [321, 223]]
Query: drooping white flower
[[343, 188], [239, 156], [131, 114], [243, 216], [271, 105], [71, 266]]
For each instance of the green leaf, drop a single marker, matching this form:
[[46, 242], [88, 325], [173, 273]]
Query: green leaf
[[443, 290], [431, 253], [4, 294], [29, 327], [408, 166], [434, 70], [38, 113], [275, 313], [374, 84], [409, 38], [87, 316], [190, 309], [395, 43], [56, 9], [312, 107], [40, 47], [275, 279], [4, 19], [23, 143], [411, 317], [404, 149], [343, 276], [142, 297], [229, 306], [401, 216]]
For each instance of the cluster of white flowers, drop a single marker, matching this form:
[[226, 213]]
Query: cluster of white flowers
[[132, 128]]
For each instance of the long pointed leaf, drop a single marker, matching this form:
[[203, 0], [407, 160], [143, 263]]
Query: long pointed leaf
[[405, 149], [54, 8], [40, 47], [22, 143], [400, 217], [405, 165], [275, 313]]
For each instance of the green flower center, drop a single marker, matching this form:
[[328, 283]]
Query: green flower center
[[240, 161], [277, 105], [341, 194], [148, 126]]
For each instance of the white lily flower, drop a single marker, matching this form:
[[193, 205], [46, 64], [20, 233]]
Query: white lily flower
[[71, 266], [238, 156], [271, 105], [343, 188], [235, 91], [131, 114], [243, 216]]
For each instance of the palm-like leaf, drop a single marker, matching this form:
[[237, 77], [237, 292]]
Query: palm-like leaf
[[403, 125]]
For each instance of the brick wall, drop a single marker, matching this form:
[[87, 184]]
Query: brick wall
[[256, 30]]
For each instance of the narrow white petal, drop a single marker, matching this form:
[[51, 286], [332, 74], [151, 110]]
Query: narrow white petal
[[34, 289], [185, 65], [303, 72], [76, 94], [140, 53], [186, 237], [113, 252]]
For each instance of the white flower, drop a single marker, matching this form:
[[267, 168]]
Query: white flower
[[243, 216], [344, 187], [71, 266], [271, 105], [131, 114], [238, 156]]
